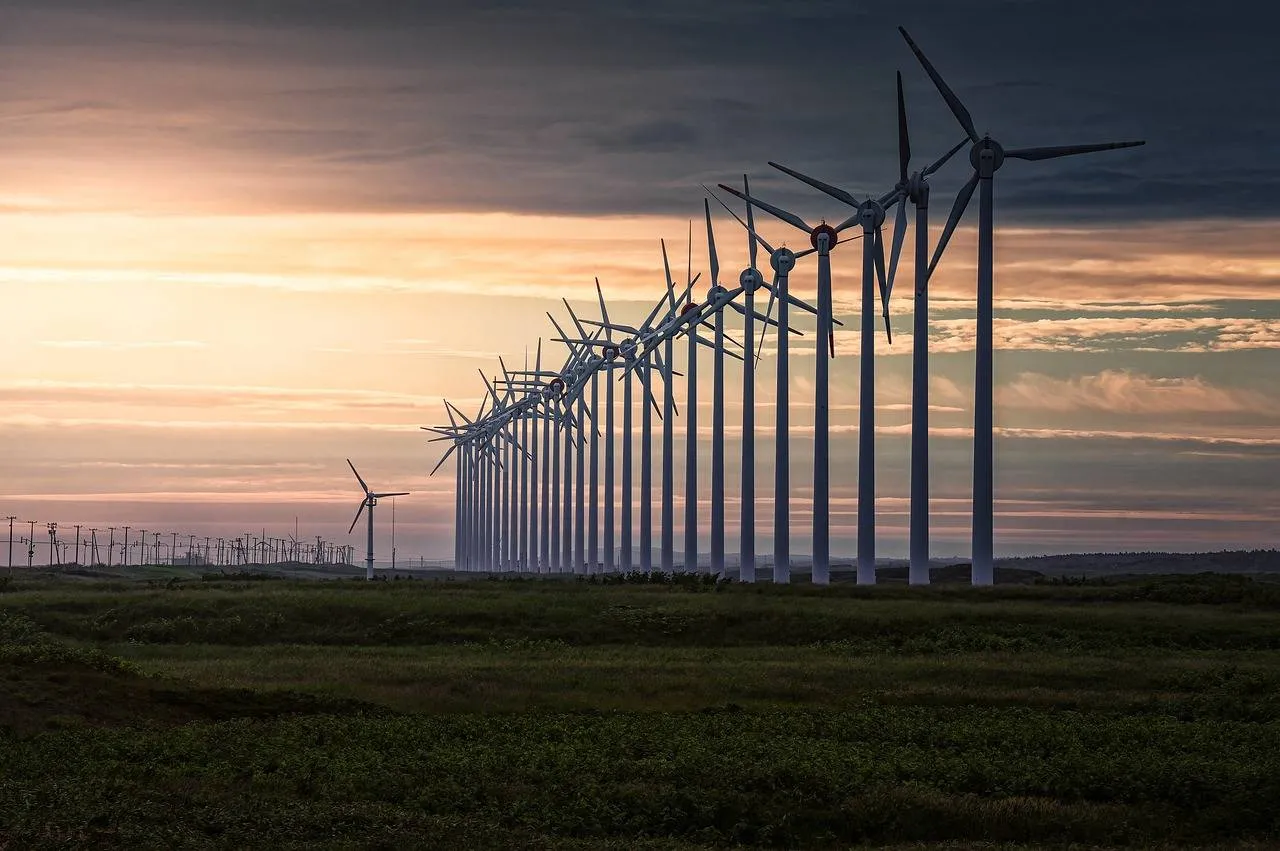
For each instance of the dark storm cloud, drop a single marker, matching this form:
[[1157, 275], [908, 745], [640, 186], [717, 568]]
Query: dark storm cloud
[[594, 108]]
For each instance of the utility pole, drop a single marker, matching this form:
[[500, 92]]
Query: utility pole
[[393, 534], [125, 549], [173, 550], [31, 544], [53, 542], [11, 518], [111, 544], [77, 544]]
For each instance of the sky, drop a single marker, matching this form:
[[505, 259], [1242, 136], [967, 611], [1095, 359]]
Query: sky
[[241, 242]]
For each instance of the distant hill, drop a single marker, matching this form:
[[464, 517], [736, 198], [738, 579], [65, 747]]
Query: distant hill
[[1093, 564]]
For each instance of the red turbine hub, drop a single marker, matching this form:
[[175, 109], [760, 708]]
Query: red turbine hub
[[832, 236]]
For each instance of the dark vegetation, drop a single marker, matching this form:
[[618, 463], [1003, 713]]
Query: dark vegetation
[[638, 713]]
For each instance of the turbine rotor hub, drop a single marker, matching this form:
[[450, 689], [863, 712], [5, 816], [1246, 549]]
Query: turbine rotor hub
[[783, 260], [870, 214], [715, 293], [986, 156], [750, 280], [820, 231], [918, 188]]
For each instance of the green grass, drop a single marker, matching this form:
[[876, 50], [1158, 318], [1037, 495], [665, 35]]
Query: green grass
[[578, 715], [516, 678]]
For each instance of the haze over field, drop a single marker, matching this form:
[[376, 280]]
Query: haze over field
[[240, 243]]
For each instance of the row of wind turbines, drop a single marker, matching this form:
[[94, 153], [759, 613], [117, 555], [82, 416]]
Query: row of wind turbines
[[528, 462]]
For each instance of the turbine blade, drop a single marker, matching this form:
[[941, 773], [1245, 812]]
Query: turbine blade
[[574, 317], [604, 312], [385, 495], [358, 479], [953, 102], [755, 314], [559, 330], [899, 232], [752, 236], [359, 511], [777, 212], [773, 294], [904, 139], [612, 326], [1067, 150], [711, 245], [957, 211], [689, 269], [666, 268], [941, 161], [751, 227], [792, 300], [649, 319], [878, 253], [834, 191], [751, 224]]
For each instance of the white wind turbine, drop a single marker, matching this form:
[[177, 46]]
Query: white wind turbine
[[369, 501], [718, 298], [986, 156], [783, 260], [631, 350], [609, 359], [750, 280], [916, 189], [685, 320], [870, 214]]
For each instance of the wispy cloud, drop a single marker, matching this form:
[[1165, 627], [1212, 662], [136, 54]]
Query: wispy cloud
[[123, 345], [1124, 392]]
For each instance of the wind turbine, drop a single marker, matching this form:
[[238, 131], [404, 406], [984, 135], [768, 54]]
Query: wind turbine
[[369, 501], [684, 318], [750, 280], [987, 156], [607, 360], [870, 214], [637, 351], [783, 260], [916, 189], [718, 298]]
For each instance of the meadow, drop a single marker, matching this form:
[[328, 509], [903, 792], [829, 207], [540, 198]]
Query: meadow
[[674, 714]]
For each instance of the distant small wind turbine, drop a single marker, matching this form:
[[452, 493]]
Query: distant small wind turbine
[[369, 501]]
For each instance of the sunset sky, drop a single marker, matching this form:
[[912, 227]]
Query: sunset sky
[[243, 241]]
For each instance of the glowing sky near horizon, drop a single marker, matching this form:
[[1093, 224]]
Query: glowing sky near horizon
[[237, 248]]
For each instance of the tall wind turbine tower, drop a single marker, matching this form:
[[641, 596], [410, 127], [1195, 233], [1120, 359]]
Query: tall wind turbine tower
[[370, 500], [987, 156]]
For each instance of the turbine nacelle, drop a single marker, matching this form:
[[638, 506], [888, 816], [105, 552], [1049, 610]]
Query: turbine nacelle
[[917, 188], [824, 230], [715, 293], [750, 280], [870, 214], [986, 156], [783, 260]]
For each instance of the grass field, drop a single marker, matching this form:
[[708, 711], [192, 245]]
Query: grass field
[[535, 714]]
